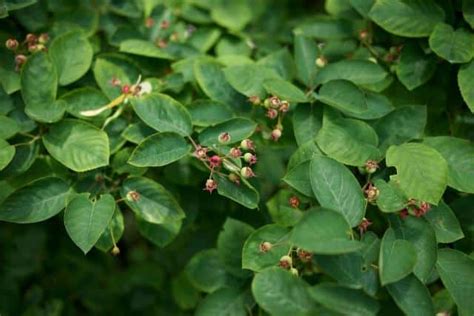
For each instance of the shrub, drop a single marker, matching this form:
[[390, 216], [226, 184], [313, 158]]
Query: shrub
[[236, 157]]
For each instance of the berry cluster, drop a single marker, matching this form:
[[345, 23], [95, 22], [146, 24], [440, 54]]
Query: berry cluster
[[227, 162], [275, 109], [415, 208], [298, 256], [31, 44]]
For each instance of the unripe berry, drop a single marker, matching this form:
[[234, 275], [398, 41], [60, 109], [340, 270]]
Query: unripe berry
[[371, 166], [363, 35], [164, 24], [284, 107], [211, 185], [294, 202], [321, 62], [247, 144], [372, 193], [115, 251], [274, 102], [11, 44], [294, 271], [149, 22], [235, 152], [247, 172], [265, 246], [31, 38], [305, 256], [250, 158], [234, 178], [255, 100], [133, 196], [285, 262], [224, 138], [43, 38], [276, 134], [272, 113]]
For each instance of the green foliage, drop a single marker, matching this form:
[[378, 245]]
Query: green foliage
[[214, 157]]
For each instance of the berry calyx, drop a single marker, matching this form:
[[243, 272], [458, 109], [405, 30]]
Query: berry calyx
[[12, 44], [371, 166], [149, 22], [210, 186], [274, 102], [215, 161], [404, 213], [133, 196], [247, 172], [371, 193], [364, 225], [305, 256], [250, 158], [285, 262], [224, 138], [247, 144], [31, 38], [284, 107], [294, 202], [255, 100], [265, 246], [200, 152]]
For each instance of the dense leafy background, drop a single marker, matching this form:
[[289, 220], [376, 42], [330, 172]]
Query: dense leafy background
[[389, 81]]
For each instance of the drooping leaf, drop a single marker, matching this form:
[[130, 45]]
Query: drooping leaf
[[254, 258], [456, 46], [397, 258], [35, 202], [86, 220], [163, 113], [409, 18], [280, 293], [457, 273], [112, 233], [242, 193], [72, 54], [324, 231], [336, 187], [326, 28], [150, 200], [159, 150], [77, 145], [417, 165]]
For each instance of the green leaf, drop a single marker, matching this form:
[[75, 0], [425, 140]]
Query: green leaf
[[86, 220], [232, 15], [391, 198], [348, 141], [243, 193], [248, 79], [306, 52], [409, 18], [326, 28], [359, 72], [281, 211], [163, 113], [8, 127], [417, 165], [72, 54], [207, 112], [397, 258], [456, 270], [284, 90], [143, 48], [25, 156], [114, 68], [112, 233], [456, 46], [256, 260], [405, 123], [238, 128], [77, 145], [415, 68], [337, 188], [7, 152], [36, 202], [307, 121], [184, 294], [159, 150], [341, 299], [225, 302], [459, 155], [354, 101], [299, 178], [422, 236], [280, 293], [229, 245], [213, 82], [160, 235], [468, 12], [411, 296], [85, 99], [282, 62], [206, 272], [324, 231], [137, 132], [150, 200], [445, 223], [465, 77], [39, 84]]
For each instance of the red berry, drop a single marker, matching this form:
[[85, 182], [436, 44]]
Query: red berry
[[255, 100], [125, 89], [272, 113], [164, 24], [294, 202], [215, 161]]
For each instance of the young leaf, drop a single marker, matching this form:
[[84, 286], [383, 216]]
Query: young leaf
[[324, 231], [159, 150], [336, 187], [77, 145], [86, 220], [254, 258], [150, 200], [35, 202], [417, 165], [163, 113]]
